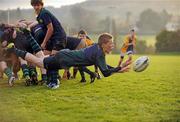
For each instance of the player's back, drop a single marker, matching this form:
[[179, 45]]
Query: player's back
[[72, 42], [21, 42], [83, 57]]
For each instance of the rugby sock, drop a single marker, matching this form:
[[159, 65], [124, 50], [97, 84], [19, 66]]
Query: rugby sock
[[96, 68], [20, 53], [48, 76], [81, 72], [32, 70], [25, 70], [44, 77], [54, 76], [87, 71], [35, 46], [8, 72]]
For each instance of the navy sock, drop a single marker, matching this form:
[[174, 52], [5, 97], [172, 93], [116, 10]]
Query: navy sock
[[81, 72], [44, 77], [25, 70], [54, 76], [32, 70], [48, 75], [87, 71]]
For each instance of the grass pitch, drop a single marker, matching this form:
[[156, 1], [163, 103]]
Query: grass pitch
[[150, 96]]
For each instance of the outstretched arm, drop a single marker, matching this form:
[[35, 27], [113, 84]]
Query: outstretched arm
[[108, 70]]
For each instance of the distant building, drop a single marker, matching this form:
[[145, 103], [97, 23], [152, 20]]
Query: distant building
[[173, 24]]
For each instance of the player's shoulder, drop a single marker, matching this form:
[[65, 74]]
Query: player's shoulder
[[93, 47], [127, 36], [89, 42], [93, 50], [45, 12]]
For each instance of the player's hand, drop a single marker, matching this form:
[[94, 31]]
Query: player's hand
[[43, 45], [4, 43], [124, 69], [127, 63], [21, 25]]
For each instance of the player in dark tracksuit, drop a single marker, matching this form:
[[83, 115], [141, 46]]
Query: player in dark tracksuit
[[55, 38], [58, 39], [74, 43], [93, 55]]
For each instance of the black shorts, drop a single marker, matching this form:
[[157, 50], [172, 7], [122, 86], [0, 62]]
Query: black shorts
[[25, 47], [51, 63], [21, 42], [57, 44], [130, 50]]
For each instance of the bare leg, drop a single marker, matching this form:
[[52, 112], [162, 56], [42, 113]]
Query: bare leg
[[40, 54], [3, 66], [75, 70], [33, 59], [65, 74], [129, 58], [1, 74], [54, 52], [46, 52]]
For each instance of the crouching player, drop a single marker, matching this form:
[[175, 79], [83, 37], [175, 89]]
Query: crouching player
[[82, 34], [64, 59], [77, 44], [128, 47], [55, 37]]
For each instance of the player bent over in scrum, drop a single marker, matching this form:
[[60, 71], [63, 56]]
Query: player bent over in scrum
[[93, 55], [24, 42]]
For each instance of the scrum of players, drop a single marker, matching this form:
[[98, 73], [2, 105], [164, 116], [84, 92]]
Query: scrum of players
[[43, 43]]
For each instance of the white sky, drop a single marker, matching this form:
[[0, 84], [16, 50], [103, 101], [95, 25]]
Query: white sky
[[11, 4]]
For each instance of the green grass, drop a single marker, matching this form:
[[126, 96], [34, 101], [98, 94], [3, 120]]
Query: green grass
[[150, 96]]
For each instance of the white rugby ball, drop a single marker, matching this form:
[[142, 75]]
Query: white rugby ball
[[141, 64]]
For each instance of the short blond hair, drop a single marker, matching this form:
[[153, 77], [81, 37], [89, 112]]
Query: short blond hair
[[104, 38]]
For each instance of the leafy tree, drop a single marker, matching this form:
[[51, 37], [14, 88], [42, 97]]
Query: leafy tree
[[83, 18], [151, 21], [141, 46], [168, 41]]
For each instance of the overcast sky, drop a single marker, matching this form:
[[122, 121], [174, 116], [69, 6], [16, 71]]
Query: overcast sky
[[5, 4]]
